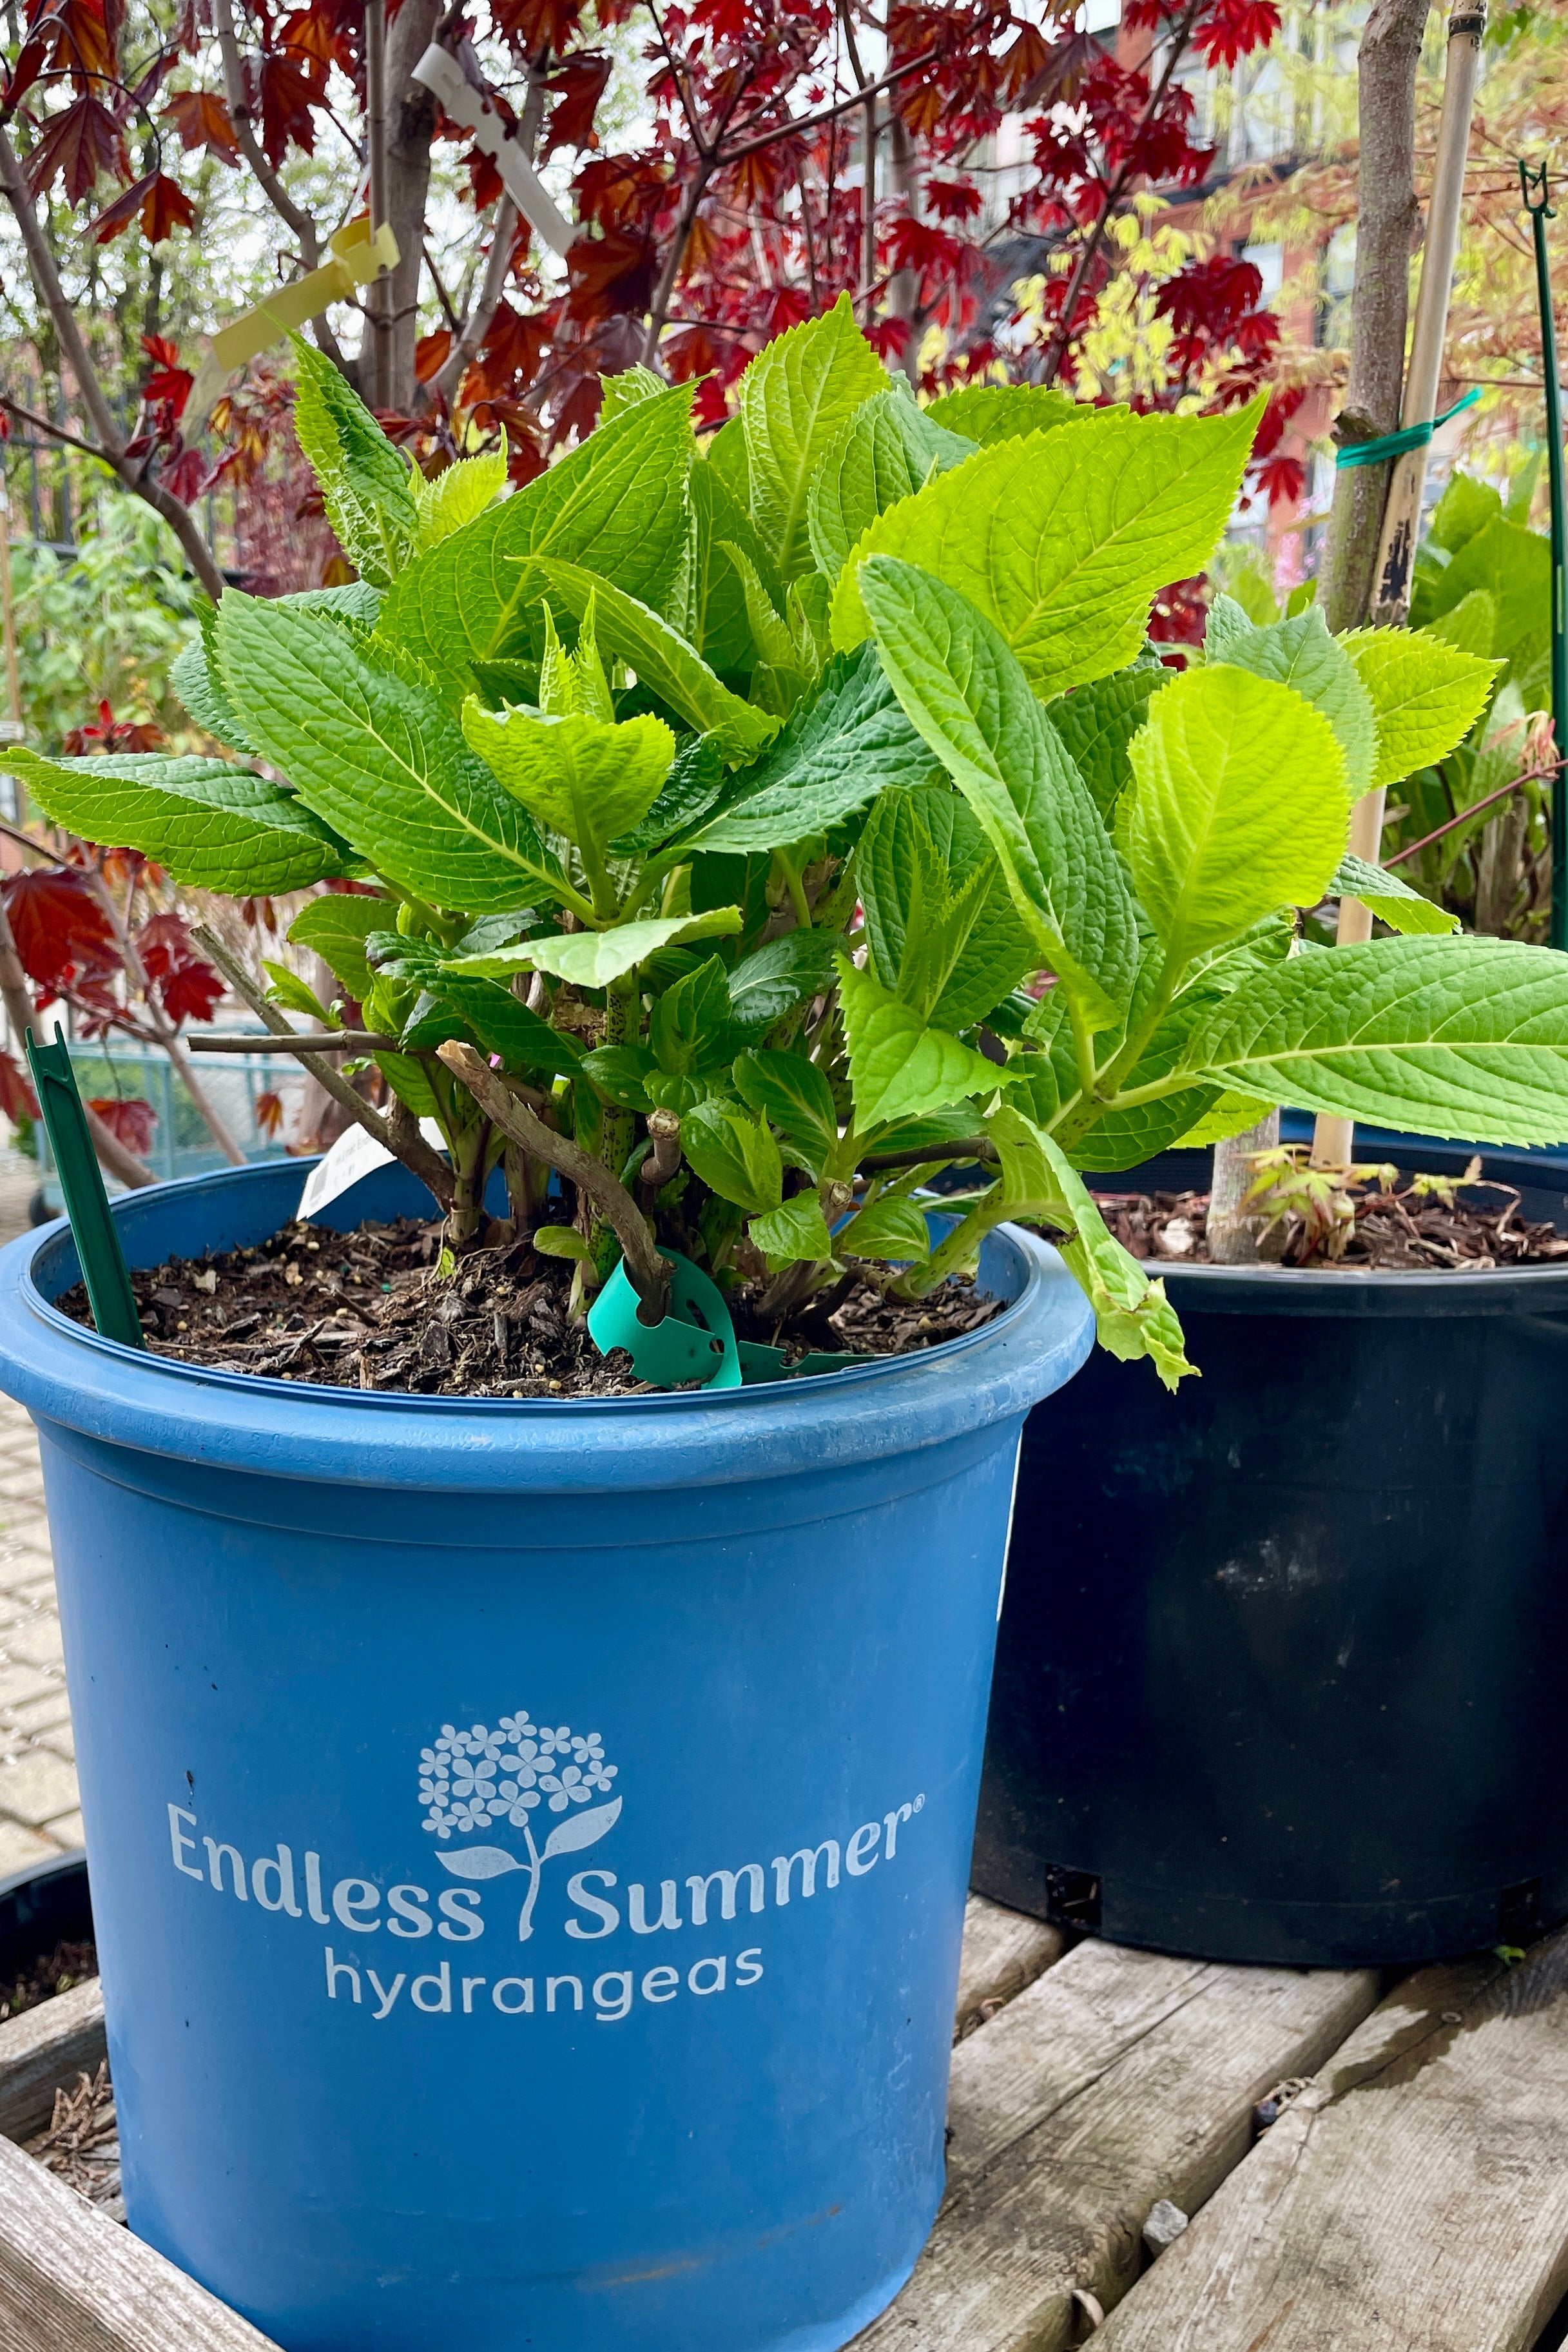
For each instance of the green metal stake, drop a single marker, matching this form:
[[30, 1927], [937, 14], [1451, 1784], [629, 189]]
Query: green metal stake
[[1535, 189], [102, 1260]]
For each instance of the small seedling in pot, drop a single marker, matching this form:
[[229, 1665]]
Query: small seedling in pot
[[713, 819]]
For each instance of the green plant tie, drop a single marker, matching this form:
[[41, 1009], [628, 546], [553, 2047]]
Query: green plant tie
[[1412, 437], [696, 1341], [98, 1253]]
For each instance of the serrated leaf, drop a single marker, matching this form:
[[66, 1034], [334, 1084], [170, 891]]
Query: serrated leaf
[[1463, 1037], [1513, 566], [1097, 723], [621, 1073], [962, 690], [1228, 1115], [997, 952], [289, 990], [625, 389], [1301, 655], [1465, 507], [689, 1030], [884, 451], [616, 504], [214, 826], [785, 972], [794, 1093], [594, 959], [449, 499], [988, 413], [1471, 624], [192, 681], [899, 1068], [719, 625], [734, 1154], [365, 485], [371, 750], [888, 1229], [1391, 900], [851, 741], [664, 663], [794, 1232], [1426, 696], [793, 398], [1063, 539], [336, 929], [694, 782], [1237, 807], [582, 777], [1132, 1317]]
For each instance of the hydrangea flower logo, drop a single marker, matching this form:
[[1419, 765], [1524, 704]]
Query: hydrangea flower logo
[[520, 1773]]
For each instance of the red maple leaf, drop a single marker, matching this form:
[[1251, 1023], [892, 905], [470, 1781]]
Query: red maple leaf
[[431, 353], [287, 97], [185, 475], [608, 274], [1028, 57], [17, 1099], [203, 120], [78, 145], [129, 1118], [532, 26], [1280, 480], [162, 202], [268, 1112], [58, 925], [168, 384], [187, 987], [920, 245], [1233, 28], [952, 199], [577, 90]]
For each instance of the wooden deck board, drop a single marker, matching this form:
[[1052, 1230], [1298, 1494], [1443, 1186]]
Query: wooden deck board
[[1118, 2079], [1416, 2195], [44, 2049], [1004, 1951]]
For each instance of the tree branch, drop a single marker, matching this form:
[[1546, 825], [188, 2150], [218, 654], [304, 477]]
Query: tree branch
[[416, 1155], [481, 317], [646, 1270], [824, 114], [52, 294]]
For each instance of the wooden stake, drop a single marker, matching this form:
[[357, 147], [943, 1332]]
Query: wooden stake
[[1334, 1139]]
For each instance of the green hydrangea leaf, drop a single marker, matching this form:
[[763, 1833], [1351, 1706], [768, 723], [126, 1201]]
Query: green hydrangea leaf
[[1238, 806], [962, 690], [1063, 539], [988, 413], [1426, 696], [1300, 654], [214, 826], [1460, 1036], [1097, 723], [594, 959], [455, 497], [371, 750], [892, 1229], [366, 485], [734, 1154], [899, 1068], [337, 928], [793, 398], [1391, 900], [886, 450], [582, 777], [794, 1232]]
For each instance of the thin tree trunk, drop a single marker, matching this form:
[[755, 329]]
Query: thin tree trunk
[[1388, 228], [903, 290], [411, 112], [1233, 1233]]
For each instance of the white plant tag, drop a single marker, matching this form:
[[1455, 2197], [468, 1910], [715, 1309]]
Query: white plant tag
[[355, 1154]]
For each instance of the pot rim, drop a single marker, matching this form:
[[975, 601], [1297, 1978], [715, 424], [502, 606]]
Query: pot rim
[[65, 1372]]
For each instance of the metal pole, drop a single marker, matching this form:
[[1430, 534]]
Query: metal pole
[[1540, 212], [1333, 1138]]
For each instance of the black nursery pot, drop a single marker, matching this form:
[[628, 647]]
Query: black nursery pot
[[45, 1905], [1282, 1670]]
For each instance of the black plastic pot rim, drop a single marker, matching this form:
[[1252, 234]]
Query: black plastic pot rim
[[1362, 1292]]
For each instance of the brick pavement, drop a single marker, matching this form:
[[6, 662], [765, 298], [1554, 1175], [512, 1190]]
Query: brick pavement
[[38, 1813]]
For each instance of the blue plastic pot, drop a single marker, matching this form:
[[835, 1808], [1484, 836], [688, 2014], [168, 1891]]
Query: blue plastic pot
[[528, 1841]]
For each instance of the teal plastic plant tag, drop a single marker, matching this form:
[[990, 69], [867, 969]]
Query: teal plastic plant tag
[[696, 1341], [102, 1259]]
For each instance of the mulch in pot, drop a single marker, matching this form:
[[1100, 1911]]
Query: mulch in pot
[[1417, 1225], [378, 1308]]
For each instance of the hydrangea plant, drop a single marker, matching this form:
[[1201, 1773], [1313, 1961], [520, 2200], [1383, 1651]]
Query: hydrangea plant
[[750, 834]]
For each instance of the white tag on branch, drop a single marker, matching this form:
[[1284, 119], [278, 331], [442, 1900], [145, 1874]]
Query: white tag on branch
[[356, 1153], [440, 71]]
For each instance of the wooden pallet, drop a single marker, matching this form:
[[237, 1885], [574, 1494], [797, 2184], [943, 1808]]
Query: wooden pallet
[[1169, 2156]]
